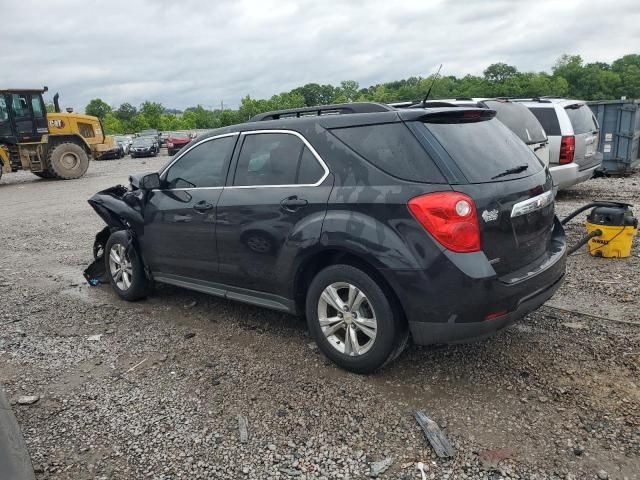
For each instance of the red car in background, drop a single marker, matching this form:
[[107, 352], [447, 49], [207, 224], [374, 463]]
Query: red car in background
[[176, 140]]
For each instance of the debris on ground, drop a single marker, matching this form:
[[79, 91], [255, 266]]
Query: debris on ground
[[28, 399], [378, 468], [243, 428], [189, 335], [436, 438], [190, 304], [94, 338]]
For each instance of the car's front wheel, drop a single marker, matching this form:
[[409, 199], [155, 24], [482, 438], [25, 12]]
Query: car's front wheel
[[124, 266], [354, 319]]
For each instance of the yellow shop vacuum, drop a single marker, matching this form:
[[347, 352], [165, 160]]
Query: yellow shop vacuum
[[611, 227]]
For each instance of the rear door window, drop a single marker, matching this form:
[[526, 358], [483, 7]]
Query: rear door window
[[276, 159], [548, 119], [393, 149], [519, 120], [486, 150], [581, 119]]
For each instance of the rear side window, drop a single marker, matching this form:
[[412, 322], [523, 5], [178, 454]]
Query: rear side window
[[393, 149], [276, 159], [486, 150], [581, 119], [548, 119], [519, 120]]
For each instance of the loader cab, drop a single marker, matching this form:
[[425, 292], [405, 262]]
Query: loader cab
[[23, 116]]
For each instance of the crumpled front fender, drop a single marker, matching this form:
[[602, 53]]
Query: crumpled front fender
[[120, 208]]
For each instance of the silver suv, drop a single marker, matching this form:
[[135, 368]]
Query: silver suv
[[573, 138]]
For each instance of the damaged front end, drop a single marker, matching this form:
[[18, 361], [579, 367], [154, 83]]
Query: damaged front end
[[121, 209]]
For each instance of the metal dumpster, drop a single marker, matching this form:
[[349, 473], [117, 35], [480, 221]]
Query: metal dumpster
[[619, 134]]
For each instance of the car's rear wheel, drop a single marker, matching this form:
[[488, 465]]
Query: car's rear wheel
[[354, 320], [124, 266]]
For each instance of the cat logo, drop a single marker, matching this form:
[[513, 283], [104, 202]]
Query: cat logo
[[490, 215], [56, 123]]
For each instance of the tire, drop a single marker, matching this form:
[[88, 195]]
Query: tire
[[132, 283], [67, 161], [377, 313]]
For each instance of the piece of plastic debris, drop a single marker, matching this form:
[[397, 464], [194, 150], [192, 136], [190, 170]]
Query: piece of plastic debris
[[189, 335], [191, 304], [422, 472], [94, 338], [377, 468], [28, 399], [434, 435], [243, 427]]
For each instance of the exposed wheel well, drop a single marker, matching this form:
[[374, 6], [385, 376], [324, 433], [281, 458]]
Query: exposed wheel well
[[55, 140], [321, 260]]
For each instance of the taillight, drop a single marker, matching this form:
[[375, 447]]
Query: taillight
[[450, 217], [567, 149]]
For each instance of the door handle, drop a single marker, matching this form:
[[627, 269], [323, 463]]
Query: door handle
[[202, 206], [293, 203]]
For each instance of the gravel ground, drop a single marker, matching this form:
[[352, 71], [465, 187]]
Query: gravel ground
[[154, 389]]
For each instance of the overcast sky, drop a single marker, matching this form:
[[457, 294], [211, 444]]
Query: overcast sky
[[188, 52]]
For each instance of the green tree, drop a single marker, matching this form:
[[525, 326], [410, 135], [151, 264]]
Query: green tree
[[112, 124], [152, 112], [97, 108], [499, 72], [348, 90], [125, 112]]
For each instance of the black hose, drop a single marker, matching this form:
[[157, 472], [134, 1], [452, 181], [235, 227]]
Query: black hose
[[594, 233], [590, 205]]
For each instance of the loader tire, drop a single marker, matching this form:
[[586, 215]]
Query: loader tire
[[67, 161]]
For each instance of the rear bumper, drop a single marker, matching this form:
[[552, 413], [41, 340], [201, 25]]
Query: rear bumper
[[450, 302], [565, 176]]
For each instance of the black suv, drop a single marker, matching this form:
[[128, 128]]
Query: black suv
[[377, 223]]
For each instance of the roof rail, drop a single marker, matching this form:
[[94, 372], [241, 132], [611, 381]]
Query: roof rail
[[335, 109]]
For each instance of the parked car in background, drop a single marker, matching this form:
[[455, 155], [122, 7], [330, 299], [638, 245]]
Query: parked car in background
[[515, 116], [144, 147], [125, 142], [177, 140], [113, 151], [573, 133], [377, 223]]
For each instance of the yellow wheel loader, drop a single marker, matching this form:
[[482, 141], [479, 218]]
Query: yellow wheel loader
[[50, 145]]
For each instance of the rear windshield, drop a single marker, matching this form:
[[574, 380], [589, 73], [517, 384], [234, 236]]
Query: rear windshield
[[393, 149], [519, 120], [581, 119], [486, 150], [548, 119]]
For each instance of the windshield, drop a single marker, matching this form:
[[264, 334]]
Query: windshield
[[179, 135], [519, 120], [143, 141], [485, 150]]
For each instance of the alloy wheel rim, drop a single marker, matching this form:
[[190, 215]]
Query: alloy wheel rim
[[120, 266], [347, 319]]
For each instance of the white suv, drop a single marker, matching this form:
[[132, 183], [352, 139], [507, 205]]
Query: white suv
[[573, 138]]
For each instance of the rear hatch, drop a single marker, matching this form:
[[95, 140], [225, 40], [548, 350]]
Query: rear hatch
[[509, 185], [585, 129]]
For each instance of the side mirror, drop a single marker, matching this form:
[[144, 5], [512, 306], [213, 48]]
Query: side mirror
[[150, 181]]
